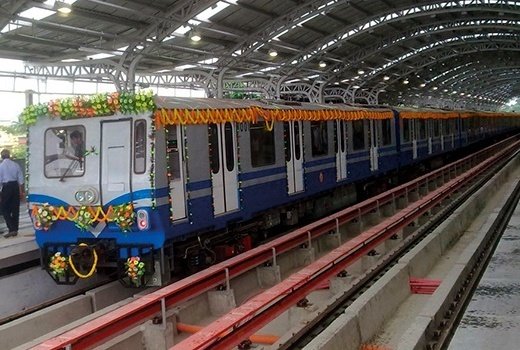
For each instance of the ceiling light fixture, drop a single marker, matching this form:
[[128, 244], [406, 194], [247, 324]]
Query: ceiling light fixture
[[423, 85], [273, 53], [360, 71], [195, 36], [63, 8], [386, 77], [405, 81], [323, 64]]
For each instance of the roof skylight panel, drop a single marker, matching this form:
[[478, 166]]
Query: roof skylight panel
[[212, 11]]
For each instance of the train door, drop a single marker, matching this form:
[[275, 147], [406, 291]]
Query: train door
[[341, 150], [224, 167], [177, 171], [294, 155], [115, 158], [413, 136], [374, 143]]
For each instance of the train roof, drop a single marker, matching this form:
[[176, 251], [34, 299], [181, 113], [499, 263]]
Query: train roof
[[182, 110], [212, 103]]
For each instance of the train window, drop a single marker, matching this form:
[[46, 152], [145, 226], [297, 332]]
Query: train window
[[140, 146], [445, 126], [319, 138], [230, 149], [172, 147], [262, 145], [64, 150], [421, 125], [436, 128], [297, 146], [358, 134], [213, 148], [465, 124], [386, 136], [406, 130]]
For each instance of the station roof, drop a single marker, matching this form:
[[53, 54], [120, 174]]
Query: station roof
[[465, 49]]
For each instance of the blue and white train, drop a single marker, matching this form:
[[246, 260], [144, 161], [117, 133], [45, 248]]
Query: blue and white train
[[187, 183]]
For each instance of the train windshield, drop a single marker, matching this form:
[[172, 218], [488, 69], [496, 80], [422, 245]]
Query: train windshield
[[64, 152]]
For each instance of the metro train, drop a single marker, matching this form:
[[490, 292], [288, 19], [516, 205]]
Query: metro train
[[139, 186]]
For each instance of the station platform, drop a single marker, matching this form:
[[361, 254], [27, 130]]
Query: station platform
[[21, 248], [492, 318]]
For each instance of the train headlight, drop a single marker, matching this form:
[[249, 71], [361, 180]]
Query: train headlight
[[143, 222], [87, 195], [80, 196]]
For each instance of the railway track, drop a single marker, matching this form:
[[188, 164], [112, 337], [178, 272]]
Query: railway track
[[240, 323], [418, 199]]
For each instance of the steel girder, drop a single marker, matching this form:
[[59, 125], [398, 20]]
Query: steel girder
[[185, 79], [312, 92], [399, 14], [358, 56], [351, 95], [267, 87], [276, 27], [103, 69], [473, 81], [11, 7], [439, 52]]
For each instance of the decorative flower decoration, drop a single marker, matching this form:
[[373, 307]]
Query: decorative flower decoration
[[135, 269], [31, 113], [91, 106], [124, 216], [58, 265], [84, 218], [45, 216]]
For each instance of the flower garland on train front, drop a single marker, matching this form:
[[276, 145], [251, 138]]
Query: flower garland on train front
[[90, 106], [46, 215]]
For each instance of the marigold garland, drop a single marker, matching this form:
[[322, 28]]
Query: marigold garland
[[58, 265], [135, 270], [123, 215], [251, 115]]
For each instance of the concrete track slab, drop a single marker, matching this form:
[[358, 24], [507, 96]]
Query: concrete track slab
[[492, 318]]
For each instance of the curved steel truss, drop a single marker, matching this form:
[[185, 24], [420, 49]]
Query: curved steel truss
[[368, 51]]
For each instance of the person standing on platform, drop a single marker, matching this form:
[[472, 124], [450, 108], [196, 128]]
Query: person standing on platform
[[11, 178]]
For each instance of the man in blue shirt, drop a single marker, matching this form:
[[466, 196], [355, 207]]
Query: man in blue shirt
[[11, 179]]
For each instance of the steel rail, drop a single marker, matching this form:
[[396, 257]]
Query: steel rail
[[441, 336], [240, 323], [324, 319], [145, 308]]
